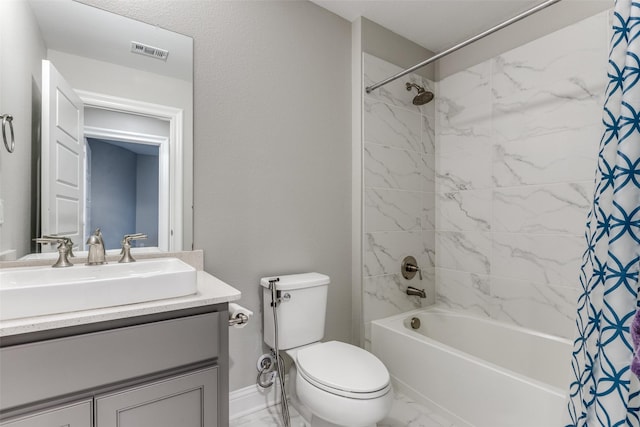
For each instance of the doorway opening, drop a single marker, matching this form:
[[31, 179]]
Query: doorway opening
[[122, 182]]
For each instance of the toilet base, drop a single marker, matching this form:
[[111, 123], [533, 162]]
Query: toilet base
[[310, 401], [310, 419]]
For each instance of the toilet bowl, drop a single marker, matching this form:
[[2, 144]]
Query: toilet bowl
[[331, 383], [339, 384]]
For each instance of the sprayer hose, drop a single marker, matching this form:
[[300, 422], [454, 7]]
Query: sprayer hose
[[284, 405]]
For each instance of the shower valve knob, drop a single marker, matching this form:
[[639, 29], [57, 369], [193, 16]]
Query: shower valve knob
[[409, 268]]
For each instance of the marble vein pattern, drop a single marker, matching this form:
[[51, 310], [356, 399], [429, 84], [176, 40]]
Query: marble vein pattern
[[551, 259], [464, 211], [392, 210], [428, 211], [428, 135], [394, 93], [391, 126], [405, 412], [518, 118], [464, 251], [543, 160], [399, 161], [577, 52], [462, 291], [387, 167], [385, 296], [269, 417], [427, 258], [462, 126], [468, 87], [547, 308], [385, 251], [542, 209], [517, 142], [465, 170], [428, 173]]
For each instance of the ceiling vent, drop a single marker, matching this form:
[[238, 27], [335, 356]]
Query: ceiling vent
[[154, 52]]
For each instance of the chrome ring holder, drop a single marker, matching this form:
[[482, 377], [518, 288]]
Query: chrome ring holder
[[6, 118]]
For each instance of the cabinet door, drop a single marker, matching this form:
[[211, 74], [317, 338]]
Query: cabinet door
[[74, 415], [188, 400]]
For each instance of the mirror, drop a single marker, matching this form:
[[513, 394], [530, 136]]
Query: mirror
[[132, 172]]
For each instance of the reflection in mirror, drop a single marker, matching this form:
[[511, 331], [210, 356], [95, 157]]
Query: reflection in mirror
[[133, 107]]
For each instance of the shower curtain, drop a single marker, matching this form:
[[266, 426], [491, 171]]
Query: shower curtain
[[604, 392]]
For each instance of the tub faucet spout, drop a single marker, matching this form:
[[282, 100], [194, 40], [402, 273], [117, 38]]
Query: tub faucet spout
[[416, 292]]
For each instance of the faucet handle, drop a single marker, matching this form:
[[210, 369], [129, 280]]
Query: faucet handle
[[136, 236], [126, 246], [64, 248], [67, 241]]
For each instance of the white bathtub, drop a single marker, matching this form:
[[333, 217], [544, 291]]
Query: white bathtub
[[483, 373]]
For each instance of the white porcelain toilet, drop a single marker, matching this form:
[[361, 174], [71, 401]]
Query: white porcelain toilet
[[332, 383]]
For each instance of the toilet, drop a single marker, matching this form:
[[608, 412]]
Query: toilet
[[331, 383]]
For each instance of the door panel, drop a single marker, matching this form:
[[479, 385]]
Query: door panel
[[74, 415], [187, 401], [63, 155]]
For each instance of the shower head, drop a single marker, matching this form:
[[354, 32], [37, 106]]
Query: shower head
[[423, 96]]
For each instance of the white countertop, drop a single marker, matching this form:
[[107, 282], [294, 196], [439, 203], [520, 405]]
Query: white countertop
[[211, 290]]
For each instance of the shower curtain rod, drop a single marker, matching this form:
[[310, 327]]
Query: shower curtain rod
[[442, 54]]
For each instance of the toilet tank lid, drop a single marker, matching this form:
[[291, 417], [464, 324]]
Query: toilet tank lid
[[297, 281]]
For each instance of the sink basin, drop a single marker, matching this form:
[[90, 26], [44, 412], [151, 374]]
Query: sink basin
[[37, 291]]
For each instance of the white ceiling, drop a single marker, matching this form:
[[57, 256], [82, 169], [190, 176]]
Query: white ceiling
[[82, 30], [434, 24]]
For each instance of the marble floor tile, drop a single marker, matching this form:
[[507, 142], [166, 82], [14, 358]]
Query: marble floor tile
[[269, 417], [404, 413]]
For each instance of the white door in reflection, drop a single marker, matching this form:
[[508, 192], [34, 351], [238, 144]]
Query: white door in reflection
[[62, 151]]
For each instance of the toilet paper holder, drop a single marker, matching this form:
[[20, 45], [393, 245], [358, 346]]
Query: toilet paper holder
[[238, 315], [239, 319]]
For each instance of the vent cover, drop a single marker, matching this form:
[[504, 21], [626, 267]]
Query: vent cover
[[146, 50]]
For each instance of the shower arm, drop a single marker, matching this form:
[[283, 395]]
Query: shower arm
[[473, 39]]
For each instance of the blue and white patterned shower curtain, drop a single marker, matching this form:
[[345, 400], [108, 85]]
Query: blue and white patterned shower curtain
[[604, 391]]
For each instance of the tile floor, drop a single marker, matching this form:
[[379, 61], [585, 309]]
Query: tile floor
[[404, 413]]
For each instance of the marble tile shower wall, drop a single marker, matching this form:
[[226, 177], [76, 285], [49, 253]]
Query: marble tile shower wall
[[399, 193], [516, 143]]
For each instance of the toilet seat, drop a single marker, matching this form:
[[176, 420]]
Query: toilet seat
[[344, 370]]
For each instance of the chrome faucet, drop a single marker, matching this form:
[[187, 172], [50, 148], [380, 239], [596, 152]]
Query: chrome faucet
[[126, 246], [97, 254], [416, 292], [65, 249]]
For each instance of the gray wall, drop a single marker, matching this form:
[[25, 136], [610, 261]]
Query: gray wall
[[147, 200], [272, 166], [385, 44], [113, 191], [20, 78]]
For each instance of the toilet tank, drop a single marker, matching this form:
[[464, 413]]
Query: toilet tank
[[301, 310]]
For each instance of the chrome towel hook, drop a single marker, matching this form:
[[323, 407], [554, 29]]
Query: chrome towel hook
[[6, 118]]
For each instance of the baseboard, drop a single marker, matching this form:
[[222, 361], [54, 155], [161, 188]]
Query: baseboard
[[252, 399]]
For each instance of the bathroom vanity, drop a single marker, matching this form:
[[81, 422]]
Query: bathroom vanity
[[157, 363]]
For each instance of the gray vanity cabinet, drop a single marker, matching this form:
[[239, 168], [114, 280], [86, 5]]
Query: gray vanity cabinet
[[187, 401], [166, 369], [71, 415]]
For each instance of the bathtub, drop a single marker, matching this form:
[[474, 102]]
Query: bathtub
[[482, 373]]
